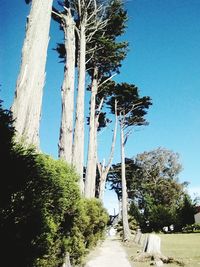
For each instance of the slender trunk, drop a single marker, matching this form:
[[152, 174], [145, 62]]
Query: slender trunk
[[120, 208], [126, 229], [102, 185], [27, 103], [105, 170], [92, 159], [78, 146], [66, 128]]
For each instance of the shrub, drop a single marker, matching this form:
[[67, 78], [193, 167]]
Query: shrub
[[192, 228], [42, 215], [89, 227], [43, 199]]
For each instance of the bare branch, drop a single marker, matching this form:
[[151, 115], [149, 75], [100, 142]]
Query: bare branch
[[133, 108], [100, 106], [108, 79], [57, 14], [113, 141]]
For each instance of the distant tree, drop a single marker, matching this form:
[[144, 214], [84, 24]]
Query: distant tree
[[154, 190], [131, 109], [27, 103]]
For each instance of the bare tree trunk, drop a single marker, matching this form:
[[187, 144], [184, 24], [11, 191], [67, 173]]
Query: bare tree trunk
[[66, 128], [27, 103], [92, 158], [102, 185], [126, 229], [104, 170], [78, 146], [120, 208]]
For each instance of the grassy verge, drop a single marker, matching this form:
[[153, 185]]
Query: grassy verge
[[183, 247]]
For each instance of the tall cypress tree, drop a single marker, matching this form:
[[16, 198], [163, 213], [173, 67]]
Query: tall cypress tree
[[131, 109], [105, 61]]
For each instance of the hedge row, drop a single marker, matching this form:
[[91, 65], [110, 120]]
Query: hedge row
[[193, 228], [42, 215]]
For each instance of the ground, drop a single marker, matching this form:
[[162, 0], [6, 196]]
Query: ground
[[182, 247], [110, 253]]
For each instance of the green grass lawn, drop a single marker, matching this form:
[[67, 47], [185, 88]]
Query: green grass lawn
[[183, 247]]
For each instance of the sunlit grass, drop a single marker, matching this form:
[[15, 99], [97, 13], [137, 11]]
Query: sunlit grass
[[182, 247], [185, 247]]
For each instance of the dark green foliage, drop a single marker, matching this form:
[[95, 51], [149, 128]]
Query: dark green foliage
[[130, 105], [157, 197], [108, 51], [185, 212], [39, 198], [6, 130], [41, 212]]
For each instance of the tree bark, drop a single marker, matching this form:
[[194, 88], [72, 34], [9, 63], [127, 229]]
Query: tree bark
[[66, 128], [78, 146], [126, 230], [104, 171], [27, 103], [120, 208], [90, 179]]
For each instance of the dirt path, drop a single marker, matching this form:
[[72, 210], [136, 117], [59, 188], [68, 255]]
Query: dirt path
[[109, 254]]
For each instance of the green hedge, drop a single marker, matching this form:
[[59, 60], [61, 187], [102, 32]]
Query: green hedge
[[89, 227], [42, 215]]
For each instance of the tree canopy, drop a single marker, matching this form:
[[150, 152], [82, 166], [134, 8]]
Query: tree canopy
[[153, 187]]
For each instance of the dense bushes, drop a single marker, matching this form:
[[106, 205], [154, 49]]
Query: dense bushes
[[193, 228], [42, 215]]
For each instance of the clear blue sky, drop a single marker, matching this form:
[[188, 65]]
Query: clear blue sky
[[163, 61]]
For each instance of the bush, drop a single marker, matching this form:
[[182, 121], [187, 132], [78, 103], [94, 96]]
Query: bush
[[89, 227], [43, 198], [42, 215], [193, 228], [133, 225]]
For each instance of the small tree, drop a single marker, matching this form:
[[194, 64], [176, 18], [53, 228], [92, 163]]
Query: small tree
[[131, 110]]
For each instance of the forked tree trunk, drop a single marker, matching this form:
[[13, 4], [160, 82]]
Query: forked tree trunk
[[27, 103], [66, 128], [126, 230], [90, 179], [104, 170], [78, 146]]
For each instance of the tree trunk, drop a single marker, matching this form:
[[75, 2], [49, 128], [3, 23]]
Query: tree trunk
[[27, 103], [102, 185], [120, 208], [66, 128], [78, 146], [104, 171], [126, 229], [90, 180]]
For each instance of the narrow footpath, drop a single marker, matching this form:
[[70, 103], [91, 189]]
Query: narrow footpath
[[110, 254]]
